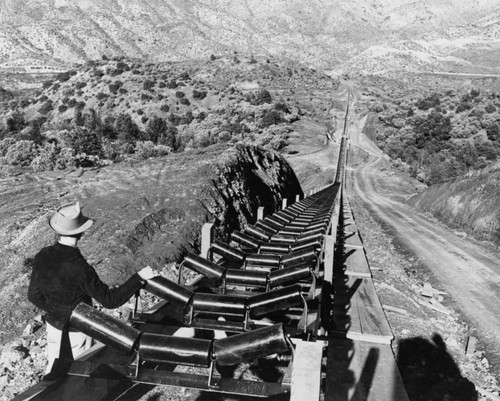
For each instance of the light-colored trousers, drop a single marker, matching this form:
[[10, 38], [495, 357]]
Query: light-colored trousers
[[79, 343]]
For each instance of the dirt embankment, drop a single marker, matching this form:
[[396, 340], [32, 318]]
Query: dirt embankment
[[468, 204], [146, 213]]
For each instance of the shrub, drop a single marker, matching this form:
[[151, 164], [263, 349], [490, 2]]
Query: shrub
[[463, 107], [123, 91], [80, 85], [116, 72], [71, 102], [146, 97], [21, 153], [428, 102], [15, 122], [63, 76], [115, 86], [62, 108], [271, 117], [212, 57], [179, 94], [145, 150], [46, 107], [46, 84], [98, 73], [102, 96], [172, 84], [490, 108], [199, 94], [185, 101], [83, 140], [122, 65], [262, 97], [148, 84], [5, 144]]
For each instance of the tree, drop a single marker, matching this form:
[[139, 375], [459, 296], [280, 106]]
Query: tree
[[169, 137], [155, 128], [15, 122], [493, 132], [127, 129], [262, 97], [83, 140]]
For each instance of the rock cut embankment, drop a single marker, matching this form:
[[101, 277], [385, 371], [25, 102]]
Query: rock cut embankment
[[467, 204], [149, 212]]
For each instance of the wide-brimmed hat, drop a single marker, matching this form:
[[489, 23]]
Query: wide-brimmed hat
[[69, 220]]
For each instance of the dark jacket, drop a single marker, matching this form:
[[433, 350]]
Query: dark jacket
[[62, 278]]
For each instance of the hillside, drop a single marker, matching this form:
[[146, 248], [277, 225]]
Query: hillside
[[467, 204], [375, 36], [113, 110]]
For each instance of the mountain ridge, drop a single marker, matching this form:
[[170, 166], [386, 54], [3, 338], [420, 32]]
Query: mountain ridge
[[40, 35]]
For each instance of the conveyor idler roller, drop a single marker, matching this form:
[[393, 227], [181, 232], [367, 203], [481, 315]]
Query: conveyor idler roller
[[258, 233], [245, 240], [252, 345], [161, 348], [227, 251], [203, 266], [219, 304], [274, 248], [104, 328], [246, 277], [170, 291], [297, 257], [289, 275], [263, 260], [275, 300]]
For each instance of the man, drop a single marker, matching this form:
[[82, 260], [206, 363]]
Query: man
[[62, 278]]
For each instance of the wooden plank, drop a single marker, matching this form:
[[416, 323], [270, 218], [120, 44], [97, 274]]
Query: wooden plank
[[355, 263], [353, 241], [362, 371], [357, 312], [328, 261], [306, 371]]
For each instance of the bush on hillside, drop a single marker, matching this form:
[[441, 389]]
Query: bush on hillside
[[199, 95], [262, 97], [21, 153], [84, 141], [148, 84], [53, 157], [146, 149], [46, 108], [5, 144]]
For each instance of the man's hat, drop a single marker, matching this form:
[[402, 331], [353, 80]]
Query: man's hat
[[69, 220]]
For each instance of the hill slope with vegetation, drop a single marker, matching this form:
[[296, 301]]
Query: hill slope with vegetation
[[448, 138], [112, 110]]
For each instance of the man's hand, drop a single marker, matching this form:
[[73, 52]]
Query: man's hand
[[147, 273]]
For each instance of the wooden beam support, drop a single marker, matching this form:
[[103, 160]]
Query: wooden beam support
[[207, 234], [260, 213], [306, 371]]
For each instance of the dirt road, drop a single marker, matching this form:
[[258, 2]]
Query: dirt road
[[469, 274]]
